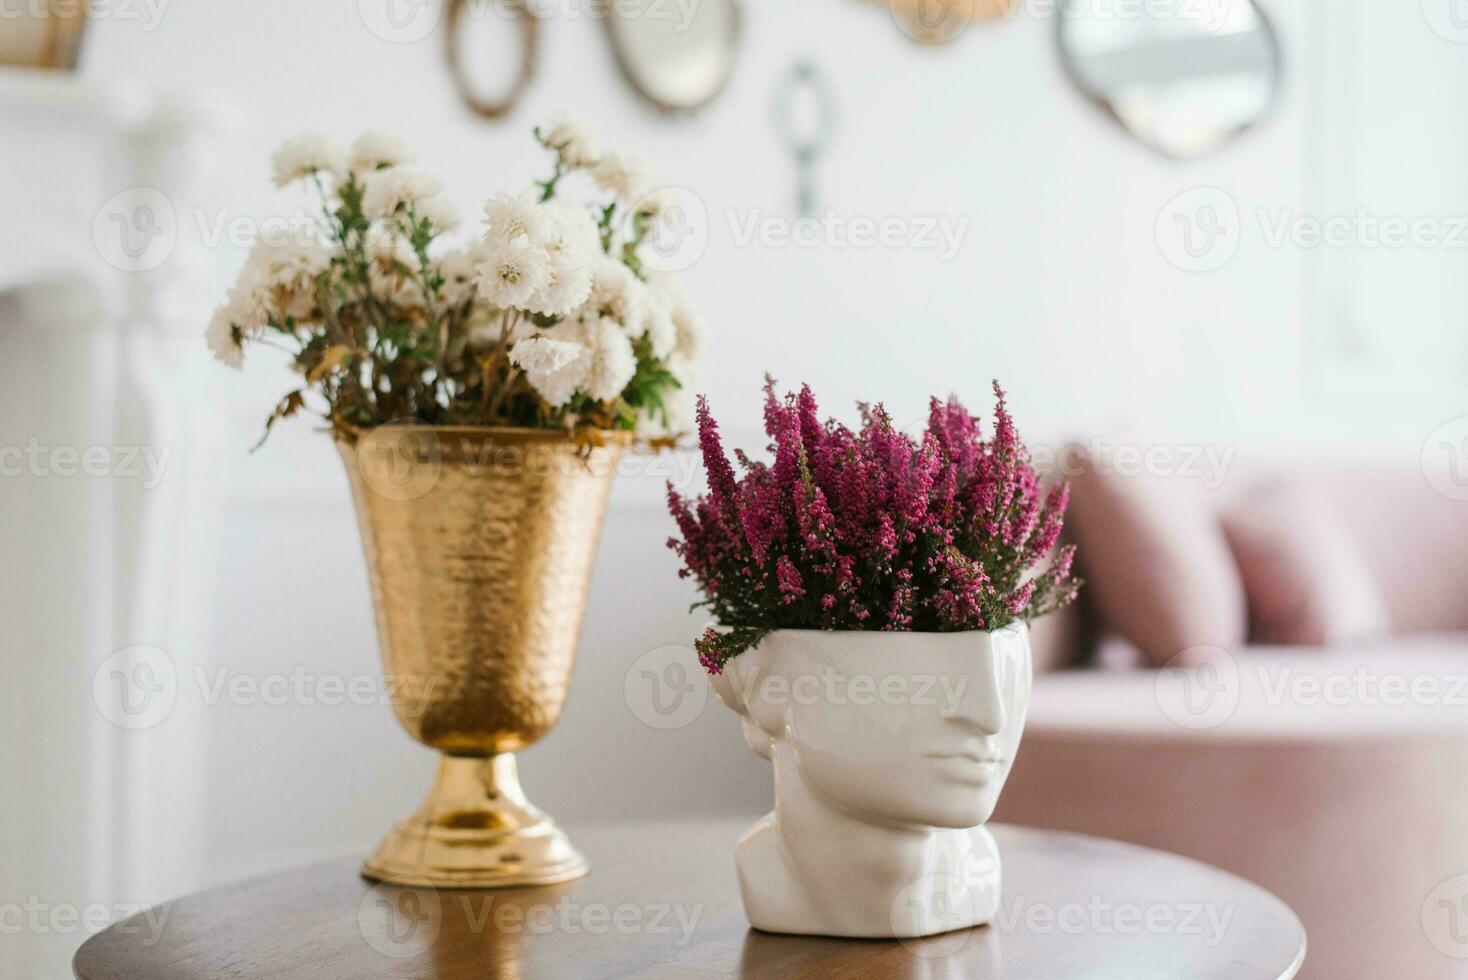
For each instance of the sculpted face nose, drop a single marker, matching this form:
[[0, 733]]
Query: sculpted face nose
[[976, 700]]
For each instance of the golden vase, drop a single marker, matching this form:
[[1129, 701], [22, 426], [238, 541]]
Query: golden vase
[[479, 545]]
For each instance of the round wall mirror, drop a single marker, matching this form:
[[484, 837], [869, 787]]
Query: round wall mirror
[[677, 56], [1184, 79]]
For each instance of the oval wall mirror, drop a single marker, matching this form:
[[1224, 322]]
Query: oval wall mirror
[[1184, 79], [492, 49], [677, 56]]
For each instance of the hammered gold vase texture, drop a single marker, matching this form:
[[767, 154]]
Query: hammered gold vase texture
[[479, 547]]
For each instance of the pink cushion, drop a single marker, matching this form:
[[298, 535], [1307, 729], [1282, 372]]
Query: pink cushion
[[1157, 568], [1414, 539], [1306, 581]]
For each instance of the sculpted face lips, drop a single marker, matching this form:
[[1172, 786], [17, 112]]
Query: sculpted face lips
[[968, 763]]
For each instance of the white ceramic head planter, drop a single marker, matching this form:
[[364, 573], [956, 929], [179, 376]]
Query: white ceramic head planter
[[889, 750]]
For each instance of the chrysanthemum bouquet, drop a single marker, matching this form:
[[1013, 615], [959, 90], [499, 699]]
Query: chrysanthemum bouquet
[[872, 529], [549, 320]]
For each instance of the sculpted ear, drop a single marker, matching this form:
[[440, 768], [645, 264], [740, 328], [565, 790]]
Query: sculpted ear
[[737, 688]]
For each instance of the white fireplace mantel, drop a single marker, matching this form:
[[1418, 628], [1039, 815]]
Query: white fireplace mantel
[[101, 364]]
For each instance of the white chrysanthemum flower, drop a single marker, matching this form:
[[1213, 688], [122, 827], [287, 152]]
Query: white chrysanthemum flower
[[225, 340], [662, 332], [566, 289], [440, 211], [559, 387], [398, 187], [242, 315], [574, 230], [542, 355], [512, 273], [304, 155], [283, 274], [393, 268], [573, 246], [623, 175], [556, 369], [571, 137], [377, 148], [509, 217], [612, 362], [617, 293], [693, 334], [460, 271]]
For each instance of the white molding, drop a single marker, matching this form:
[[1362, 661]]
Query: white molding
[[1341, 351], [106, 359]]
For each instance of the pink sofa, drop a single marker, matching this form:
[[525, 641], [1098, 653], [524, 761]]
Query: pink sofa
[[1335, 776]]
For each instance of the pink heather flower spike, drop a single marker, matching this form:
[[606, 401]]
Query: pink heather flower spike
[[871, 529]]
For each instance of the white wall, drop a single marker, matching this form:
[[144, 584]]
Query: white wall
[[1059, 289]]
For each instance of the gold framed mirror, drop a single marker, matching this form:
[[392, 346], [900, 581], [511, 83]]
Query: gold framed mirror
[[466, 18], [679, 57]]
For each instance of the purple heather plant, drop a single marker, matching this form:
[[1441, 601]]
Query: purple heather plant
[[871, 529]]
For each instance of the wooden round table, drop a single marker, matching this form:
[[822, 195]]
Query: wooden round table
[[662, 901]]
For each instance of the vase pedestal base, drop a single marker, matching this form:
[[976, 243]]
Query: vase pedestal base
[[476, 830]]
